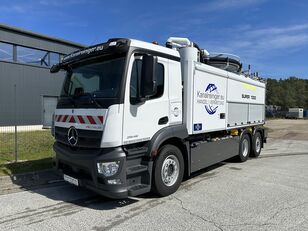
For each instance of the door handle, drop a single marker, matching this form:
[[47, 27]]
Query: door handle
[[163, 120]]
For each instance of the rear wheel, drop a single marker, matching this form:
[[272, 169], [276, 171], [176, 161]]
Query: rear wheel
[[256, 144], [244, 148], [168, 170]]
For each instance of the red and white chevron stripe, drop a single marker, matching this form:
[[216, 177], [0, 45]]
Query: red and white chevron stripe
[[81, 119]]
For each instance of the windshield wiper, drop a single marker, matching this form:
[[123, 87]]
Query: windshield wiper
[[93, 100]]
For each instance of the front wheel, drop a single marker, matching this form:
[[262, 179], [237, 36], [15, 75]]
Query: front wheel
[[168, 170]]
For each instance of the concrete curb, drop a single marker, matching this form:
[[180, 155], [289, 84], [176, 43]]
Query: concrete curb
[[27, 181]]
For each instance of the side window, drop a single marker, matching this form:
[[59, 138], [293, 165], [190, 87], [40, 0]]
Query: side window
[[136, 75], [160, 74]]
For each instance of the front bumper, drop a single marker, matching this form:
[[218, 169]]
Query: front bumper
[[81, 164]]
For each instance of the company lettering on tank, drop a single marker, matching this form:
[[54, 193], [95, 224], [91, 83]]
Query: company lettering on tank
[[210, 98]]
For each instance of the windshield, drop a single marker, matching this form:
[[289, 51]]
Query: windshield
[[101, 79]]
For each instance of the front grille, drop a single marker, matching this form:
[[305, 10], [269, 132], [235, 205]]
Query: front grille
[[86, 138]]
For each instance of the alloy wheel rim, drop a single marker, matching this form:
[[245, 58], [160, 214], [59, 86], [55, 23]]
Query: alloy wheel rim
[[245, 147], [170, 170], [258, 144]]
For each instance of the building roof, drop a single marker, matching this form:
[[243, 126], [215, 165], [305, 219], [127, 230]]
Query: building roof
[[39, 36]]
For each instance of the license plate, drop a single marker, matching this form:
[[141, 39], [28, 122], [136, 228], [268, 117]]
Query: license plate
[[71, 180]]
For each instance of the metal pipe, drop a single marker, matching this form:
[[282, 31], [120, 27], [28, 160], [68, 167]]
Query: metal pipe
[[179, 42]]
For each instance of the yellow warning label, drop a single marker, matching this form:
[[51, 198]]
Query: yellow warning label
[[249, 86]]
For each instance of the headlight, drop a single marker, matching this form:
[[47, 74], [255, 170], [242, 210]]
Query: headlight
[[108, 168]]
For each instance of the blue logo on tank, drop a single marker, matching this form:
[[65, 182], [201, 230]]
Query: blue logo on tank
[[211, 109], [211, 88]]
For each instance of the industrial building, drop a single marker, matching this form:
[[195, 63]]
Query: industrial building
[[28, 92]]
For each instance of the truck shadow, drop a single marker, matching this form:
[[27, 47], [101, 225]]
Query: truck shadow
[[65, 200], [58, 201], [81, 197], [50, 185], [193, 179]]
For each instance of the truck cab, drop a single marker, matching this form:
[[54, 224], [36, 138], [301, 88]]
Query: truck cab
[[123, 123]]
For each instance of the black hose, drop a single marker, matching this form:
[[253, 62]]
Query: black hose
[[203, 58]]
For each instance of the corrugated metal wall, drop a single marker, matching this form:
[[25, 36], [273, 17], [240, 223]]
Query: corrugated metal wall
[[23, 86], [32, 40], [30, 84]]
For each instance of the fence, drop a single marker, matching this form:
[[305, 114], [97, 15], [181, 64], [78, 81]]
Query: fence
[[29, 146], [23, 146]]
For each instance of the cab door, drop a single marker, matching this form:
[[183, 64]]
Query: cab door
[[142, 120]]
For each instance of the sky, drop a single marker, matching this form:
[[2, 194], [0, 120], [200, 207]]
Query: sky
[[271, 35]]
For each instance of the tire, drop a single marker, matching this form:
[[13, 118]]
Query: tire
[[256, 145], [168, 170], [244, 149]]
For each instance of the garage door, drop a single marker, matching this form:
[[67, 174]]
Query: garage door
[[49, 106]]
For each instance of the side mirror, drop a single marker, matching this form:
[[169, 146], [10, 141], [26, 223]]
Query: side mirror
[[148, 85], [55, 68]]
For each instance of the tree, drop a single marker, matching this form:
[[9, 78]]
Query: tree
[[290, 92]]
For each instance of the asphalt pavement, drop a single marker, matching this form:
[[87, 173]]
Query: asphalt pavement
[[267, 193]]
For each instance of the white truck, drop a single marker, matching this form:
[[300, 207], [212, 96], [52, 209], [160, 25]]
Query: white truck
[[295, 113], [136, 116]]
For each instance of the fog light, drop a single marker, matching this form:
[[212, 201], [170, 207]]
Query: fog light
[[114, 181], [108, 168]]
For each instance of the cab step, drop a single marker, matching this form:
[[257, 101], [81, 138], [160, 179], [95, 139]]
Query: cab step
[[138, 189], [139, 177], [136, 152], [136, 169]]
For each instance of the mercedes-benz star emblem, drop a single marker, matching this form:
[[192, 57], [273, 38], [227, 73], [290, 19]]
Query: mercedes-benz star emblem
[[72, 136]]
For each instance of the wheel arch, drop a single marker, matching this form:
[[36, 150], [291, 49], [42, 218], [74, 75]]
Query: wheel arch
[[183, 148], [174, 135], [247, 131]]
